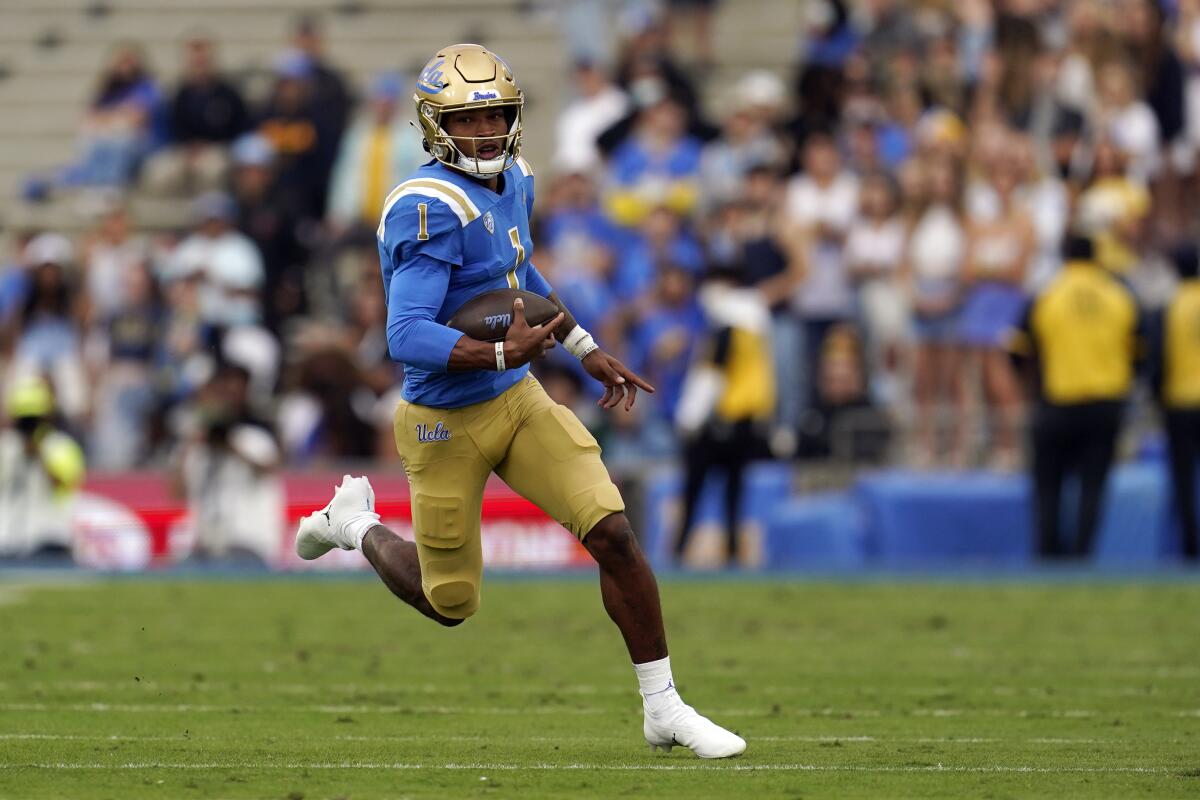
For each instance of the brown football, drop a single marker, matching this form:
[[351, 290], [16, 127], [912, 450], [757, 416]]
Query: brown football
[[486, 317]]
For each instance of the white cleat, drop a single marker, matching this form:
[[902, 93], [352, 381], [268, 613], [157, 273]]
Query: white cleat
[[323, 530], [679, 725]]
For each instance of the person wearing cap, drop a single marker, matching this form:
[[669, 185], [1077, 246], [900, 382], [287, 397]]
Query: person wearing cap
[[1175, 376], [1083, 334], [230, 263], [206, 114], [332, 94], [303, 135], [41, 467], [378, 152]]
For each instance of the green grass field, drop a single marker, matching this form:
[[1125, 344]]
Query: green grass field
[[323, 689]]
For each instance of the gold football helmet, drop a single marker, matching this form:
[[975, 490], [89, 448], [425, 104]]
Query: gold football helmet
[[467, 76]]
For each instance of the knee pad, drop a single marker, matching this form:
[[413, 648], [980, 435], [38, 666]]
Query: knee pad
[[450, 554]]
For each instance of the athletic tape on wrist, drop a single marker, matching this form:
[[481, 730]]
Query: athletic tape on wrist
[[499, 356], [579, 342]]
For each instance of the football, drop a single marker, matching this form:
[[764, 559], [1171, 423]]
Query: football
[[486, 317]]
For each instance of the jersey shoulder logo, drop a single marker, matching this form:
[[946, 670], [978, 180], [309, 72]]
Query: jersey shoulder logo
[[489, 223]]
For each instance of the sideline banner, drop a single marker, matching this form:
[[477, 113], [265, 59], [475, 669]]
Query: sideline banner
[[132, 521]]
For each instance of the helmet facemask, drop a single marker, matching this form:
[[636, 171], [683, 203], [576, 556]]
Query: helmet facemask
[[444, 149]]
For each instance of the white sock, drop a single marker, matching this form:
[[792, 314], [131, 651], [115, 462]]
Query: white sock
[[656, 683], [359, 525]]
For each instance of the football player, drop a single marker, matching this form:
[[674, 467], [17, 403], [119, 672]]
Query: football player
[[458, 227]]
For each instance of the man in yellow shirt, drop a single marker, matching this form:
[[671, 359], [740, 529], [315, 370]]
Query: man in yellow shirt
[[1176, 377], [1083, 334]]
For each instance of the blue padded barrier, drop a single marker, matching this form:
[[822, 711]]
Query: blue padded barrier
[[816, 532], [914, 517], [1135, 524]]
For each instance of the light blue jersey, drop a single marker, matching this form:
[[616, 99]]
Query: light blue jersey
[[445, 238]]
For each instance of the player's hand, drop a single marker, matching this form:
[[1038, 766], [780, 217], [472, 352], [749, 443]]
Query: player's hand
[[619, 380], [523, 343]]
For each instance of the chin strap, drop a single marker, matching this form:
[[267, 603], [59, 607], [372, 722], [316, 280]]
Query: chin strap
[[481, 166]]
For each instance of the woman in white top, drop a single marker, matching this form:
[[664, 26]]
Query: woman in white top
[[874, 250], [932, 275], [999, 250]]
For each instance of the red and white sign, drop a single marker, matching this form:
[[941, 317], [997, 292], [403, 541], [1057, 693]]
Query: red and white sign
[[130, 521]]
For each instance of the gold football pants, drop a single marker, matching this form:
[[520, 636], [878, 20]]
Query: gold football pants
[[538, 447]]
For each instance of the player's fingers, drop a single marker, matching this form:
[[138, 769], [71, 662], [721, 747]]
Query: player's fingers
[[554, 323], [519, 311], [603, 400], [618, 392], [551, 342], [611, 373], [630, 397], [637, 380]]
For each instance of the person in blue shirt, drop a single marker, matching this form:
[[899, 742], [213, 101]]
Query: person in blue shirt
[[457, 228]]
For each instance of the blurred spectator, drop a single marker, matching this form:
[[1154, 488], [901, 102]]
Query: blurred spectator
[[380, 150], [657, 165], [998, 252], [184, 357], [110, 253], [329, 414], [757, 240], [124, 123], [647, 68], [1113, 209], [727, 400], [207, 113], [1176, 380], [270, 217], [747, 140], [41, 467], [843, 422], [661, 342], [123, 350], [822, 202], [1127, 120], [1045, 200], [829, 36], [45, 329], [303, 133], [1160, 72], [577, 249], [14, 282], [597, 105], [874, 251], [932, 271], [331, 95], [227, 471], [662, 239], [1082, 333], [229, 263]]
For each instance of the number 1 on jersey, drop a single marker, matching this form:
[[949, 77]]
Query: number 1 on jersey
[[422, 222], [514, 236]]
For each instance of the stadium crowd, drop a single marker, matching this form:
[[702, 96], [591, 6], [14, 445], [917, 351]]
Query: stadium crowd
[[877, 222]]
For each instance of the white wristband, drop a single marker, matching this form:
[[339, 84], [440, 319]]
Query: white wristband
[[499, 356], [579, 342]]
